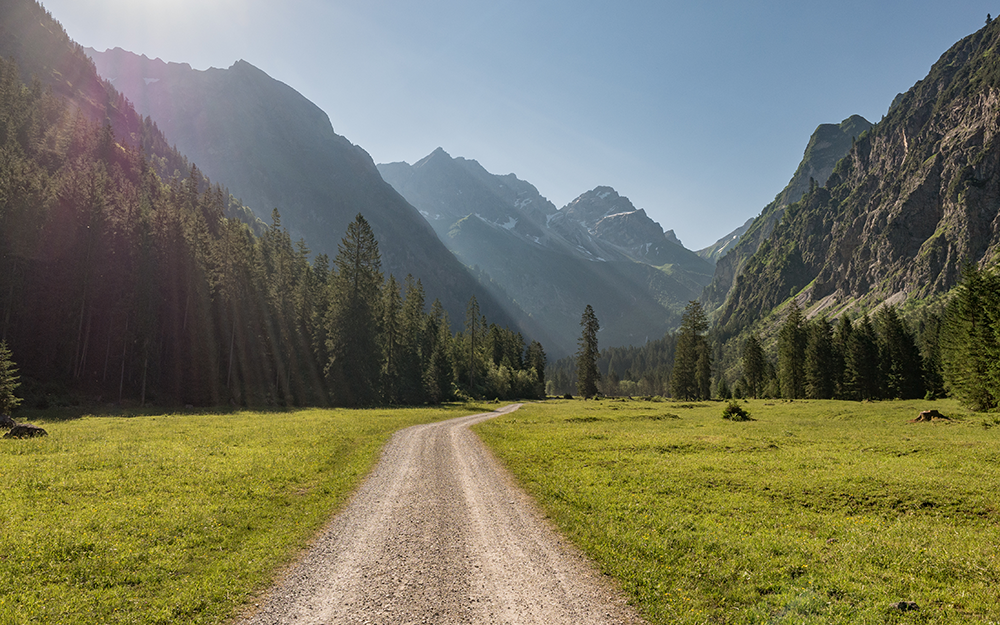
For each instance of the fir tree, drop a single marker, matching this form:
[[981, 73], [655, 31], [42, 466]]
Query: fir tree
[[862, 373], [587, 375], [8, 381], [353, 323], [970, 341], [692, 362], [899, 359], [819, 360], [754, 367], [791, 354]]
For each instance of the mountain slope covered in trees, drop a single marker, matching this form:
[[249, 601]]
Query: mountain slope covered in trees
[[274, 148], [121, 284]]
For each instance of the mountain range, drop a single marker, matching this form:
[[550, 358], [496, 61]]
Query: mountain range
[[273, 148], [599, 249], [889, 212]]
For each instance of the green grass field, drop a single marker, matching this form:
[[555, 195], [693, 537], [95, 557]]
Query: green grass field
[[814, 512], [174, 518]]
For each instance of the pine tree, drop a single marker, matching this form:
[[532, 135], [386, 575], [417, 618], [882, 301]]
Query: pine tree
[[862, 374], [841, 341], [899, 359], [791, 354], [440, 372], [970, 341], [8, 381], [587, 375], [536, 361], [819, 360], [474, 337], [692, 362], [353, 319], [754, 367], [392, 340]]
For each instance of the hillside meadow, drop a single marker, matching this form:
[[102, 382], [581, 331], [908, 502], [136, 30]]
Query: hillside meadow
[[814, 512], [173, 518]]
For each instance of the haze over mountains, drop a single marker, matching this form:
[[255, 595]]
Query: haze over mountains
[[597, 250], [873, 213], [274, 149]]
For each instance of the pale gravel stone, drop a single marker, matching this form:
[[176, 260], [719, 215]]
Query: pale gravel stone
[[439, 533]]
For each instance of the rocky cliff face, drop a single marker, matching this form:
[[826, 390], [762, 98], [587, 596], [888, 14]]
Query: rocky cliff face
[[916, 197], [827, 145]]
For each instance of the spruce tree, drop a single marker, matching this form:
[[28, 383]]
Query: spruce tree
[[754, 367], [692, 362], [536, 362], [970, 341], [353, 321], [392, 341], [440, 372], [862, 373], [819, 360], [899, 359], [791, 354], [841, 340], [587, 375], [475, 330], [8, 381]]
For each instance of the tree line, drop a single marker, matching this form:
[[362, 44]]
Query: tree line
[[871, 357], [125, 284]]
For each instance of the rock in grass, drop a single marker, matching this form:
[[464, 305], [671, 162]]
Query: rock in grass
[[6, 422], [25, 430], [906, 606]]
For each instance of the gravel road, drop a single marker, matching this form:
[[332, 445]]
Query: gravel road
[[439, 533]]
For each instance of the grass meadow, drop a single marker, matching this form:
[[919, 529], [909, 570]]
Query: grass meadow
[[175, 518], [814, 512]]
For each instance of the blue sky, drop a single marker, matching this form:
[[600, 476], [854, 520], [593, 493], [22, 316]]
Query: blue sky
[[697, 111]]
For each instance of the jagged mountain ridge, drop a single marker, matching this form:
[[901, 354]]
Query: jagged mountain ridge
[[827, 145], [598, 250], [916, 197], [276, 149]]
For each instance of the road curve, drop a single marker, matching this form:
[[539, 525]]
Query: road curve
[[439, 533]]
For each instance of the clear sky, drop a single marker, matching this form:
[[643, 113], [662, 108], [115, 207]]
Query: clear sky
[[697, 111]]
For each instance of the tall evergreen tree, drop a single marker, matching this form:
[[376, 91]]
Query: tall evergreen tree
[[8, 381], [820, 364], [754, 367], [970, 341], [900, 362], [841, 342], [392, 340], [791, 354], [862, 373], [587, 375], [536, 362], [474, 338], [440, 372], [692, 362], [353, 321]]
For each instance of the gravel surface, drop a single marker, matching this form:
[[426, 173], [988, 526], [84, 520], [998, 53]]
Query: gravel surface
[[439, 533]]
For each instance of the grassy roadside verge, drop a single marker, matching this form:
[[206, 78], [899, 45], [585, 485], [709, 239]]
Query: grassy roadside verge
[[815, 512], [173, 518]]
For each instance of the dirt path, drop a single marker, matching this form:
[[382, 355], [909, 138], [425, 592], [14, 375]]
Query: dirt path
[[440, 534]]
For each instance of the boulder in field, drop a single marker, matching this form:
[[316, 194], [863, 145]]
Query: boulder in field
[[25, 430]]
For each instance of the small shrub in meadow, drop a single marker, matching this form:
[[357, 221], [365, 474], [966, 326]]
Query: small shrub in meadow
[[734, 412]]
